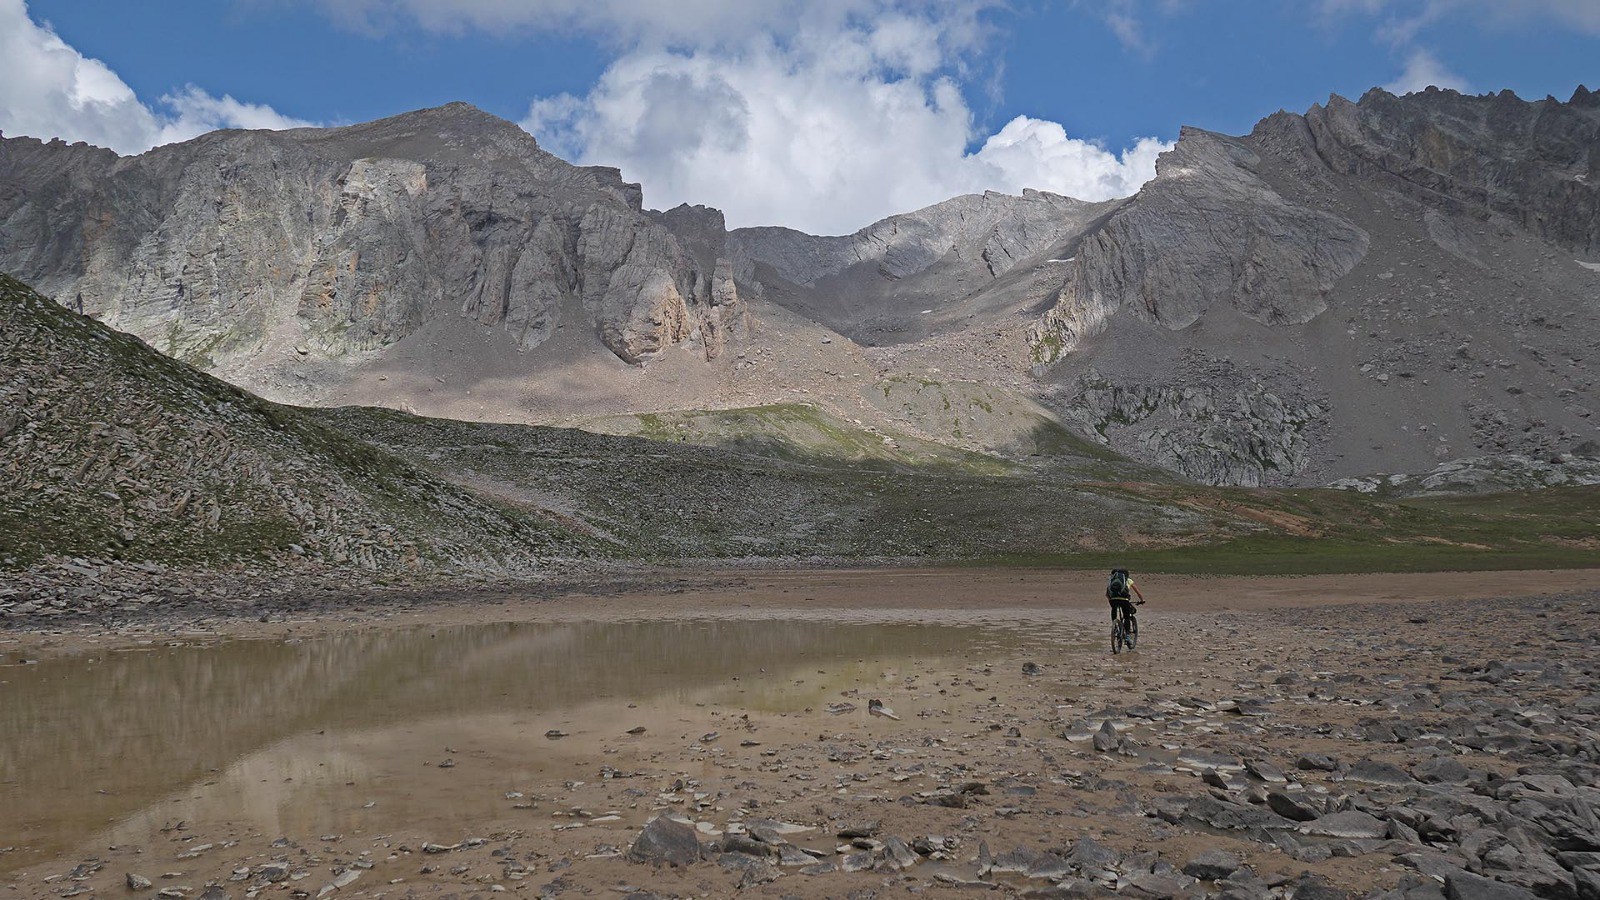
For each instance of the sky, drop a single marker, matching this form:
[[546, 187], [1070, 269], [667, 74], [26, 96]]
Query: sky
[[823, 115]]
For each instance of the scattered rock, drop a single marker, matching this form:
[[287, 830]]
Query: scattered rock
[[1212, 865], [1317, 762], [666, 840]]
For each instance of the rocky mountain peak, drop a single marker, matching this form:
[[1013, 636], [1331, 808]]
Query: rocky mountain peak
[[1387, 282], [457, 115], [440, 135]]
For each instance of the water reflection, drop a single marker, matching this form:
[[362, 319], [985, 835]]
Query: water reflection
[[87, 742]]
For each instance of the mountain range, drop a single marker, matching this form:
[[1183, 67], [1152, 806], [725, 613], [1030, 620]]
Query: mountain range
[[1381, 286]]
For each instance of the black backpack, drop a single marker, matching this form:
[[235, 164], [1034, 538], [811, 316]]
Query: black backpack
[[1117, 585]]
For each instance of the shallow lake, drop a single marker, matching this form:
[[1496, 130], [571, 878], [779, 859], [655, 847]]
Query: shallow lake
[[333, 733]]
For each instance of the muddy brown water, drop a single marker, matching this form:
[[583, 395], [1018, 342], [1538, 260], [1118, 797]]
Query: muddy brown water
[[333, 733]]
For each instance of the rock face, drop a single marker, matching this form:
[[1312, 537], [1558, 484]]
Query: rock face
[[338, 241], [1374, 286], [910, 276], [703, 232], [1215, 232]]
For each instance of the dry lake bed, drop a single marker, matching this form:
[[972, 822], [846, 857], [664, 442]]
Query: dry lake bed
[[820, 734]]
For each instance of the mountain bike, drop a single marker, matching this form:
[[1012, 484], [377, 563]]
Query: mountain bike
[[1124, 630]]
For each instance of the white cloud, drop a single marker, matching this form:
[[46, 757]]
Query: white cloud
[[195, 112], [1038, 154], [48, 89], [856, 112], [1422, 71], [826, 131], [1407, 18]]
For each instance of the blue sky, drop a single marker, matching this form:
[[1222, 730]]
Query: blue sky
[[823, 114]]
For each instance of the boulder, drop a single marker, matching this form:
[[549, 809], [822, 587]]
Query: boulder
[[667, 841]]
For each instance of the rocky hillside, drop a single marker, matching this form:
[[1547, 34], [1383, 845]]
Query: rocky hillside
[[111, 450], [241, 251], [1372, 286], [954, 265]]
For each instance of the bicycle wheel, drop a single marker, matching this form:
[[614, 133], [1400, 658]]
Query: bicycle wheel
[[1116, 638]]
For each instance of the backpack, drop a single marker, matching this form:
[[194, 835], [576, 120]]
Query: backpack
[[1117, 585]]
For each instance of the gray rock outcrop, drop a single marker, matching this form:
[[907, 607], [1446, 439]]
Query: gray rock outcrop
[[344, 240], [973, 258], [1413, 276], [1210, 229]]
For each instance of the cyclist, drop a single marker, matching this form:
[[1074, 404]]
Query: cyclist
[[1117, 588]]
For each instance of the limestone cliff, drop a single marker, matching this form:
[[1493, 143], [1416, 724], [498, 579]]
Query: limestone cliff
[[344, 240]]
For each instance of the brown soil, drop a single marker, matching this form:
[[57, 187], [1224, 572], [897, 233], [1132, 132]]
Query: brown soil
[[544, 807]]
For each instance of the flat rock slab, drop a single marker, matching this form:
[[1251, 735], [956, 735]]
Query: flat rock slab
[[1205, 759], [1262, 770], [1149, 884], [1442, 771], [1215, 813], [1212, 865], [1466, 886], [1346, 825], [1374, 772]]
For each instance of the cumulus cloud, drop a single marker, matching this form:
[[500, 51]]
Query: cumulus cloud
[[1422, 71], [192, 112], [826, 130], [48, 89], [1034, 153], [818, 114]]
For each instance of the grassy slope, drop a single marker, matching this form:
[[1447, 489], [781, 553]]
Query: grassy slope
[[667, 501], [800, 432], [1014, 436], [109, 449], [1326, 531]]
